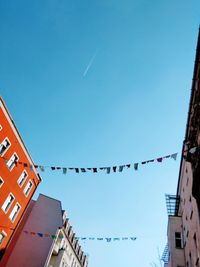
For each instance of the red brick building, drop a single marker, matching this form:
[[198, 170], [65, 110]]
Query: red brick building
[[18, 177]]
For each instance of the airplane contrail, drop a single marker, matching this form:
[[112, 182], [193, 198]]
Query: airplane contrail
[[89, 64]]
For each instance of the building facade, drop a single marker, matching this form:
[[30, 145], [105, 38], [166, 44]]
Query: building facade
[[44, 238], [66, 251], [18, 177], [183, 248]]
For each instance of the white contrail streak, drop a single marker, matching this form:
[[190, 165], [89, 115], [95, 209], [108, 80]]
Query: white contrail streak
[[89, 64]]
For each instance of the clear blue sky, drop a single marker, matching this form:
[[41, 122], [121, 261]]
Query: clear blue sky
[[131, 105]]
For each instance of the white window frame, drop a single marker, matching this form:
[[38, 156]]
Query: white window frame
[[4, 204], [13, 215], [5, 139], [26, 193], [1, 179], [20, 178], [10, 161], [4, 234]]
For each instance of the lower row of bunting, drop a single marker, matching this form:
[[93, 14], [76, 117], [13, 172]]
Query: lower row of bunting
[[107, 239], [59, 236]]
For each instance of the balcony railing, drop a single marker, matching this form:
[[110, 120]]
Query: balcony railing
[[172, 203], [165, 255]]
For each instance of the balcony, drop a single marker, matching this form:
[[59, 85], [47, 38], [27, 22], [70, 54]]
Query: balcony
[[165, 255], [55, 249], [172, 203]]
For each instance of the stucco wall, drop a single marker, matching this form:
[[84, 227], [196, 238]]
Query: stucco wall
[[176, 254], [32, 251], [190, 216]]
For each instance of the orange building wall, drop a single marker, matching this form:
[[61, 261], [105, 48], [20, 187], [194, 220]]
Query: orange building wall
[[10, 177]]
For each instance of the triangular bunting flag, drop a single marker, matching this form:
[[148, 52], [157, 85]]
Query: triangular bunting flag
[[174, 156], [136, 166]]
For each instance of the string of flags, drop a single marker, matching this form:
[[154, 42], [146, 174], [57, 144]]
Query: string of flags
[[108, 170], [53, 236], [116, 168], [107, 239]]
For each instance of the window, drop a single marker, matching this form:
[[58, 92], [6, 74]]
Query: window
[[1, 182], [2, 236], [191, 215], [62, 242], [195, 239], [190, 260], [28, 187], [4, 146], [22, 178], [8, 203], [72, 262], [14, 212], [178, 241], [12, 161]]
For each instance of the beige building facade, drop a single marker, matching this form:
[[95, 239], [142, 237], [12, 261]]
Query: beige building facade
[[66, 251], [183, 232]]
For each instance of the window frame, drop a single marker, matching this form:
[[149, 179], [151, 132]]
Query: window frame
[[15, 214], [177, 240], [4, 234], [13, 165], [23, 181], [5, 139], [1, 179], [26, 188], [6, 210]]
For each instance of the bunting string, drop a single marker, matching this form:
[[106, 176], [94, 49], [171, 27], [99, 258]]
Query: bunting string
[[107, 239], [108, 170], [53, 236]]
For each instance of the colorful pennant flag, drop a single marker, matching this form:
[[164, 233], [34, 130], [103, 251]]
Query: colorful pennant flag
[[64, 170], [174, 156], [136, 166]]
